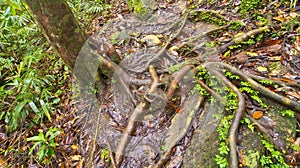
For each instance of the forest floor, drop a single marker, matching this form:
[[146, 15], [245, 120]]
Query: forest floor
[[198, 84]]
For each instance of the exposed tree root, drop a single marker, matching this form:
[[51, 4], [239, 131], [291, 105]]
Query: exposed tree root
[[234, 162], [244, 37], [178, 76], [276, 141], [134, 117], [183, 122], [212, 92], [192, 103], [277, 81], [161, 52], [266, 92], [125, 138]]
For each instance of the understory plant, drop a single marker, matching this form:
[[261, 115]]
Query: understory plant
[[29, 84]]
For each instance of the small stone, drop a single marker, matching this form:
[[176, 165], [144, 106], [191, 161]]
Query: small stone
[[151, 40]]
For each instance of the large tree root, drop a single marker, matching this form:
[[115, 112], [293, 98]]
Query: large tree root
[[183, 122], [134, 117], [264, 91], [236, 119], [278, 145], [192, 103], [213, 67], [160, 53]]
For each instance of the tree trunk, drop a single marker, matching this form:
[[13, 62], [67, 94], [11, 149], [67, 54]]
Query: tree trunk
[[64, 34], [59, 27]]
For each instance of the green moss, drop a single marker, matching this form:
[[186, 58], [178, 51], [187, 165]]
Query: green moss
[[252, 159], [141, 10], [136, 5], [249, 5], [235, 25], [209, 17]]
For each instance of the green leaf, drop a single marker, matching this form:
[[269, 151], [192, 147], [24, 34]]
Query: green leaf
[[40, 137], [33, 107], [45, 110], [55, 134], [33, 147], [41, 152], [7, 12], [56, 100], [20, 106]]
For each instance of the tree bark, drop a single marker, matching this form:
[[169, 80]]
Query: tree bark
[[59, 27]]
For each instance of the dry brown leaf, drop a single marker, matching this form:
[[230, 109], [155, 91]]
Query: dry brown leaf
[[240, 58], [242, 158], [279, 18], [76, 157], [257, 115], [294, 94], [3, 163]]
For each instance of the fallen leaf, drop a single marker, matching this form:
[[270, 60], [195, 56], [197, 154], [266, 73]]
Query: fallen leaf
[[226, 54], [262, 69], [242, 158], [276, 58], [271, 42], [294, 94], [240, 58], [3, 136], [173, 50], [294, 15], [257, 115], [74, 147], [297, 142], [279, 18], [252, 54], [151, 40], [76, 157]]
